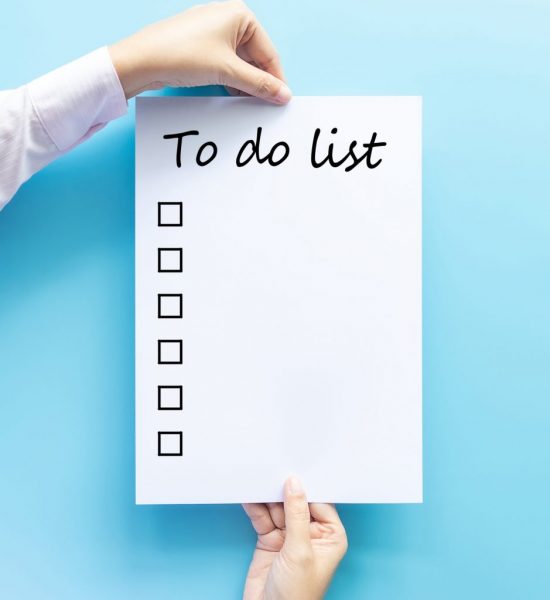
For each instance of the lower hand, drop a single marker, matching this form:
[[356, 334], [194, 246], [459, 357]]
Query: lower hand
[[299, 547], [217, 43]]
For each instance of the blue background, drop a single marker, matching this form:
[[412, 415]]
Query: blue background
[[68, 524]]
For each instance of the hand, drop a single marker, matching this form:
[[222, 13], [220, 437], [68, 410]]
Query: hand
[[298, 548], [218, 43]]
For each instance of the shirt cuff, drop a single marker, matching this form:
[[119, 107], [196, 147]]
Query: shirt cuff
[[79, 98]]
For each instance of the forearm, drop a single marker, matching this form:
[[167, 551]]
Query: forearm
[[52, 114]]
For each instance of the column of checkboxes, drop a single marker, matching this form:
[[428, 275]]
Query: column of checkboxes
[[169, 351]]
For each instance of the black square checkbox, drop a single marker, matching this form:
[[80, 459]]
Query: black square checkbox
[[170, 443], [169, 306], [169, 260], [169, 352], [170, 214], [170, 397]]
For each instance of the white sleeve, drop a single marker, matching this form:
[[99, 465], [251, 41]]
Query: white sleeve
[[52, 114]]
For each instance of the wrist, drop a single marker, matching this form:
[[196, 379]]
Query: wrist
[[128, 64]]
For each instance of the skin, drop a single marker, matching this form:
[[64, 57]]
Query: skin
[[299, 544], [298, 550], [218, 43]]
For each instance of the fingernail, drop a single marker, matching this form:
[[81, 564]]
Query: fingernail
[[283, 95], [295, 485]]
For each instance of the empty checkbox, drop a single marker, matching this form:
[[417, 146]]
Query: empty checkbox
[[169, 352], [170, 397], [170, 214], [169, 306], [169, 443], [169, 260]]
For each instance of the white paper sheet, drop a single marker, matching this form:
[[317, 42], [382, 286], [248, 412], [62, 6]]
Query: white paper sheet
[[297, 312]]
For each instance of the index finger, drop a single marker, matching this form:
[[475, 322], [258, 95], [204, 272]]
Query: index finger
[[260, 518], [259, 49]]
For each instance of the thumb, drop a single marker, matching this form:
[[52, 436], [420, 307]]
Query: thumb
[[297, 538], [254, 81]]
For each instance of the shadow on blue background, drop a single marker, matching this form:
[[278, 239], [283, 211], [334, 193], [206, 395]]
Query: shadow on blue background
[[69, 527]]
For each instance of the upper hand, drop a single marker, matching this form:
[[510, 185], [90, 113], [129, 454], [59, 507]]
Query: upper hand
[[299, 547], [218, 43]]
